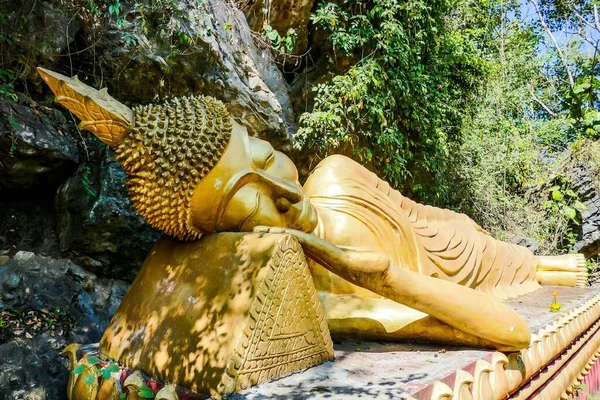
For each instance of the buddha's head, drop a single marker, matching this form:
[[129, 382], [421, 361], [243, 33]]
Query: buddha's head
[[191, 169]]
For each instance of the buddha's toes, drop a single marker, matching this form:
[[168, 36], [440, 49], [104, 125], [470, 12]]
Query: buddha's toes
[[565, 270]]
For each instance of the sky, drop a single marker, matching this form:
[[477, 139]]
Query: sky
[[529, 14]]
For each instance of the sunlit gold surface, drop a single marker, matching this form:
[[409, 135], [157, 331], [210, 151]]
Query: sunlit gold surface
[[385, 266], [99, 113], [221, 314]]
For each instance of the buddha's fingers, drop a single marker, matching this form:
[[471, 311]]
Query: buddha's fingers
[[268, 229]]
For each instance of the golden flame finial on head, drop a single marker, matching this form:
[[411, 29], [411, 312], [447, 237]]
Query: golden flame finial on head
[[165, 149], [107, 118]]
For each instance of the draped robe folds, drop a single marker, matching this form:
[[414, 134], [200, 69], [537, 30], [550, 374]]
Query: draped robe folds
[[358, 211]]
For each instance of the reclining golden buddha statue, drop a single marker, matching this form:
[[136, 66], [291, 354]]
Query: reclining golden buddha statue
[[385, 267]]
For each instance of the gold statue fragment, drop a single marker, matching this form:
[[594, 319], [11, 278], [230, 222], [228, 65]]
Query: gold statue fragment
[[385, 266]]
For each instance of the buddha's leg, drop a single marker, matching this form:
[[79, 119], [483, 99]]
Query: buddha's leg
[[512, 269], [565, 270], [355, 317]]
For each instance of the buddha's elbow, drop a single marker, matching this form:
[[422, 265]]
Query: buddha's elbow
[[519, 339]]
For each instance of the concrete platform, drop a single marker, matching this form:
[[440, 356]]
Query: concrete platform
[[401, 370]]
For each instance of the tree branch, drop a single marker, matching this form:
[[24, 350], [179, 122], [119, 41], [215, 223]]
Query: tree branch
[[561, 55], [541, 103]]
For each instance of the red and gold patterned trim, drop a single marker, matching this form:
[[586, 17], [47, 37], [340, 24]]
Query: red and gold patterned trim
[[559, 358]]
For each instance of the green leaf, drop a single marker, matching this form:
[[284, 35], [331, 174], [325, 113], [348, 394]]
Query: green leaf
[[94, 360], [105, 373], [554, 188], [145, 392], [571, 193], [581, 87], [579, 205], [557, 196], [89, 379], [13, 122], [569, 212], [122, 395], [78, 369], [113, 367]]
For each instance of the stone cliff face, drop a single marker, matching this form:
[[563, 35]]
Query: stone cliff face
[[62, 185], [64, 209], [588, 194]]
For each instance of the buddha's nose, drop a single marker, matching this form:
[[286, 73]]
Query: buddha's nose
[[285, 193], [283, 205]]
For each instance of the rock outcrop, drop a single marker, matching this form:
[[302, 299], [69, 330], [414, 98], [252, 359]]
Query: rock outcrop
[[589, 231], [37, 147], [281, 16], [63, 193], [147, 52], [182, 48], [65, 303], [97, 225], [525, 242], [150, 51]]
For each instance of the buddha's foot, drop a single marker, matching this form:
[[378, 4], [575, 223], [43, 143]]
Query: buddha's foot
[[565, 270]]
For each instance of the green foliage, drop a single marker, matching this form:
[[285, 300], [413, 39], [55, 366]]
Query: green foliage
[[112, 9], [591, 266], [573, 63], [581, 103], [94, 360], [464, 104], [78, 369], [12, 122], [85, 181], [400, 104], [183, 40], [110, 369], [88, 379], [7, 77], [580, 390], [163, 18], [509, 148], [115, 8], [284, 44], [145, 392], [564, 203], [99, 370]]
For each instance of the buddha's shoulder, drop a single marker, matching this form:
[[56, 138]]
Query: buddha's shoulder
[[338, 164], [337, 159], [338, 174]]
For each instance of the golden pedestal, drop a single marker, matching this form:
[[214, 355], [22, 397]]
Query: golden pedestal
[[220, 314]]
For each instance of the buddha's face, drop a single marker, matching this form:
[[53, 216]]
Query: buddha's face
[[251, 185]]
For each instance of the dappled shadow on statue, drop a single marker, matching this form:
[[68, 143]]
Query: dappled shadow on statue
[[220, 314]]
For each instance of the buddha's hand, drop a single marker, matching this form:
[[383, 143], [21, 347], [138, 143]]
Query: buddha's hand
[[349, 264]]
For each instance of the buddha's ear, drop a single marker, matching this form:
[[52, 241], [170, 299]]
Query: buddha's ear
[[107, 118]]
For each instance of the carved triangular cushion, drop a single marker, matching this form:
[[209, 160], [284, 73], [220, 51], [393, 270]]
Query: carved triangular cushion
[[221, 314]]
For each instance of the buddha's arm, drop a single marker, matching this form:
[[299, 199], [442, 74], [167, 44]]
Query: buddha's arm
[[470, 311]]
